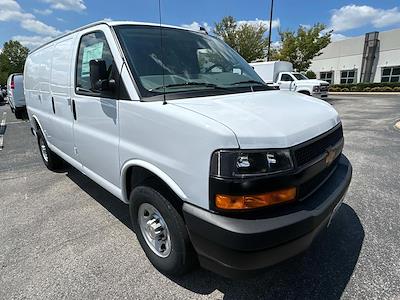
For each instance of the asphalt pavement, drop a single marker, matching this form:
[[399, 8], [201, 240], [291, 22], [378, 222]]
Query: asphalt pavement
[[63, 236]]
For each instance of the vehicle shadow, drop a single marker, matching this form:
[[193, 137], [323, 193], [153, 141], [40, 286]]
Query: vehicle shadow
[[322, 272], [115, 206]]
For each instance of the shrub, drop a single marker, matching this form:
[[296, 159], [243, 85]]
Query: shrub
[[354, 88], [376, 89], [367, 87], [310, 74], [334, 89], [345, 90], [386, 89]]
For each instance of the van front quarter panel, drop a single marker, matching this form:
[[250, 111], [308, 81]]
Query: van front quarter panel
[[177, 141]]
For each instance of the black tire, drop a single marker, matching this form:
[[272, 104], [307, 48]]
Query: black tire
[[305, 93], [18, 114], [182, 258], [53, 161]]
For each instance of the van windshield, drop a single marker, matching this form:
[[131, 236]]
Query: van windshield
[[190, 63]]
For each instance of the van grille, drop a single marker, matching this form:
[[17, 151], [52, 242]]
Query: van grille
[[324, 87], [307, 188], [311, 151]]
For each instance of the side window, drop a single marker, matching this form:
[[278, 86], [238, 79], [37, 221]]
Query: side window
[[93, 46], [286, 77]]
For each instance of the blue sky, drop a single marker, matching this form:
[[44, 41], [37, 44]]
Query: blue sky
[[33, 22]]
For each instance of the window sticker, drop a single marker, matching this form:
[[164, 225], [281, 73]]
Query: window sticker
[[91, 52]]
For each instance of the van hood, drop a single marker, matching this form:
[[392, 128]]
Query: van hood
[[267, 119]]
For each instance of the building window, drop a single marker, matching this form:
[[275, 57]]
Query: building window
[[349, 76], [327, 76], [391, 74]]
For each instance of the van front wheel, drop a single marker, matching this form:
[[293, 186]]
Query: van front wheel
[[161, 231], [52, 161]]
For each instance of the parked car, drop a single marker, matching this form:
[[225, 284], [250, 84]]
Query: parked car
[[3, 93], [215, 165], [281, 74], [15, 94]]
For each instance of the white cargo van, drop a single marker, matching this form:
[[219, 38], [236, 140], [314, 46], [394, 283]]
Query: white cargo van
[[281, 73], [217, 167], [15, 94]]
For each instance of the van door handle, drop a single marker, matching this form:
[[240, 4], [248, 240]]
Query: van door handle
[[52, 104], [74, 109]]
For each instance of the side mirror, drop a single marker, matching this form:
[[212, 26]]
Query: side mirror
[[98, 76]]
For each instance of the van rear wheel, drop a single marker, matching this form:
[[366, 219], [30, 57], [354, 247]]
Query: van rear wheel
[[161, 232], [52, 161]]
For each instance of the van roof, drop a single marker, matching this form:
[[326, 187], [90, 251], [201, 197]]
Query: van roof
[[109, 23]]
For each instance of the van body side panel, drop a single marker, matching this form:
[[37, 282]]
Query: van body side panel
[[37, 87], [61, 129], [96, 136], [177, 141]]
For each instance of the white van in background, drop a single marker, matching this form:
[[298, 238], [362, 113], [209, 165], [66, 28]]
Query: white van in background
[[15, 94], [217, 167], [281, 73]]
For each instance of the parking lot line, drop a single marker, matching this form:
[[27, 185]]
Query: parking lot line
[[2, 129]]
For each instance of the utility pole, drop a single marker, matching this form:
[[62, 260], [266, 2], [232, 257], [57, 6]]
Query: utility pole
[[270, 30]]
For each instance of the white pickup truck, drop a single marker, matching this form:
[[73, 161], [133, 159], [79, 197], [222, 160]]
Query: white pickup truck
[[280, 73]]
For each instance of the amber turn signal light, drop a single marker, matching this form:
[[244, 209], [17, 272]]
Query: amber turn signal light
[[229, 202]]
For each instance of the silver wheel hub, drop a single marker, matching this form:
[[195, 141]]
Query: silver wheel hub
[[43, 150], [154, 230]]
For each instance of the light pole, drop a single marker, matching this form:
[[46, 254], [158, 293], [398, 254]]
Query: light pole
[[270, 29]]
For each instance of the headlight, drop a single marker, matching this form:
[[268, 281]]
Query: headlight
[[316, 89], [236, 163]]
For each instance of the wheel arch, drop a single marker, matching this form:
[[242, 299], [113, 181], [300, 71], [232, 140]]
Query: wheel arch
[[37, 124], [135, 172]]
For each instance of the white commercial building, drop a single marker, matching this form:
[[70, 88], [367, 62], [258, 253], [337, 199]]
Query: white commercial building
[[374, 57]]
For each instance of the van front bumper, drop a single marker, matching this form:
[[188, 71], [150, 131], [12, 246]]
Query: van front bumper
[[235, 247]]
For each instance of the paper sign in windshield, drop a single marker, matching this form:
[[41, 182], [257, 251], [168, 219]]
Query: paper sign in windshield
[[91, 52]]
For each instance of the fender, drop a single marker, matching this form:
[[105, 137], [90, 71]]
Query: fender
[[155, 170]]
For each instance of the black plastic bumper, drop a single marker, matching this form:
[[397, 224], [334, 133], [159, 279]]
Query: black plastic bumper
[[235, 247]]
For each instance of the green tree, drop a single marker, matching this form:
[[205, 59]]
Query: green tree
[[248, 40], [12, 59], [302, 46], [310, 74]]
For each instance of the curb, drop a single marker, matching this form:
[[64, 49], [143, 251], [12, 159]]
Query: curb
[[364, 93]]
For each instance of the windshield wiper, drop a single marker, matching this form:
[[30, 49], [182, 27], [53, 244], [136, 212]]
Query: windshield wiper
[[249, 81], [189, 83]]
